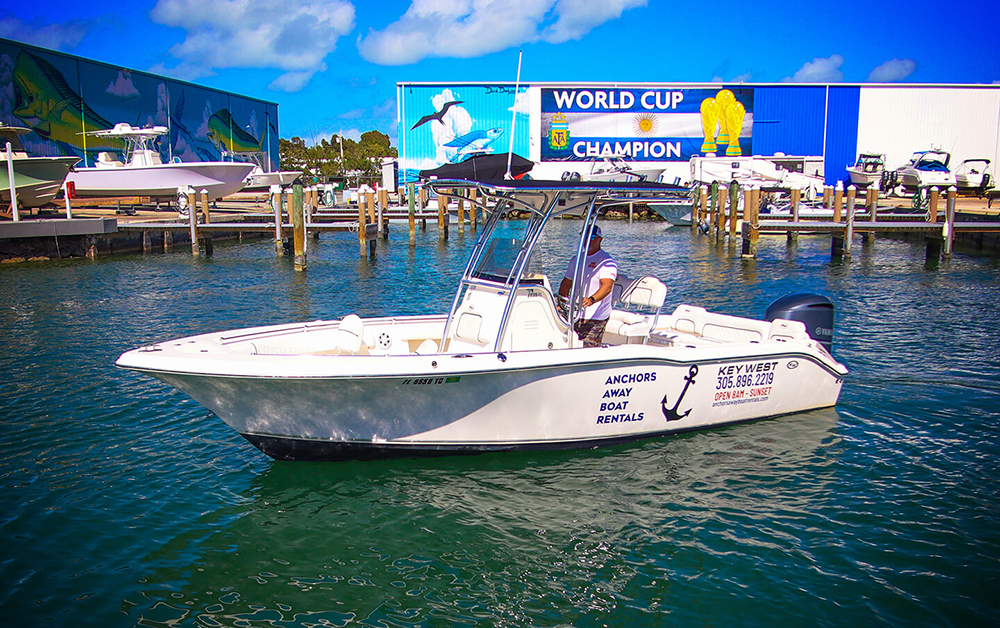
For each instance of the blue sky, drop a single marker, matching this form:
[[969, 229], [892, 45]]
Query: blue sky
[[332, 65]]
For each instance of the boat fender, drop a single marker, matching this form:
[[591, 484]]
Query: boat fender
[[501, 357], [815, 311]]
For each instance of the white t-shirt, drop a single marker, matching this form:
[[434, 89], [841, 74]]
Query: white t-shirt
[[598, 266]]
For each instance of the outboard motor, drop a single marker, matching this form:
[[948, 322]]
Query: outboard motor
[[815, 311]]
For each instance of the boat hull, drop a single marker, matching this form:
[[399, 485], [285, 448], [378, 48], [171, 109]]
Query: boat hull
[[262, 181], [676, 213], [162, 180], [912, 179], [863, 178], [37, 180], [454, 404], [629, 176]]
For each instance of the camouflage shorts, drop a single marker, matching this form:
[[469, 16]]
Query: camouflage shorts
[[591, 331]]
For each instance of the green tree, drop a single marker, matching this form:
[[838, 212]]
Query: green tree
[[359, 162]]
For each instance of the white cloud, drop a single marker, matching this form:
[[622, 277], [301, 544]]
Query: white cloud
[[522, 104], [63, 36], [472, 28], [290, 35], [746, 77], [892, 71], [819, 70], [123, 87]]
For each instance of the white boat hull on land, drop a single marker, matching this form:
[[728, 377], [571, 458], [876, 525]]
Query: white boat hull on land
[[161, 180], [257, 181]]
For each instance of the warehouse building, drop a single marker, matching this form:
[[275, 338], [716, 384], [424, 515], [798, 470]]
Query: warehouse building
[[567, 128], [63, 98]]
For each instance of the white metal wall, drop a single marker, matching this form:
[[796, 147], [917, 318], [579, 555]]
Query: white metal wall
[[898, 121]]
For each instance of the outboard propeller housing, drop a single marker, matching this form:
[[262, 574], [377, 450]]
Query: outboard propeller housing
[[815, 311]]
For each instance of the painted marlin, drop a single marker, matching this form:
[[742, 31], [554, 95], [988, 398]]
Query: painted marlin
[[45, 102], [227, 135], [474, 142]]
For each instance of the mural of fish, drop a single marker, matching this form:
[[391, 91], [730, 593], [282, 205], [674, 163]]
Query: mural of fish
[[474, 142], [227, 135], [45, 102]]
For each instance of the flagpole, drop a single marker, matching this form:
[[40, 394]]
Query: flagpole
[[513, 116]]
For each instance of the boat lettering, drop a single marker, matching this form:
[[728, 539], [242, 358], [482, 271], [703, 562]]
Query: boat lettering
[[427, 381], [631, 378], [621, 396], [736, 369], [617, 392], [619, 418]]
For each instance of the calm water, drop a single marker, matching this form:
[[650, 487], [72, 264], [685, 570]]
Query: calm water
[[124, 503]]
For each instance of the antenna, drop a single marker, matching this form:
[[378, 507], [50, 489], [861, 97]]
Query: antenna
[[513, 115]]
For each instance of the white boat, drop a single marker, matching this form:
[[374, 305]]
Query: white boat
[[616, 169], [973, 176], [502, 370], [777, 172], [144, 173], [676, 211], [37, 180], [867, 170], [261, 179], [926, 169]]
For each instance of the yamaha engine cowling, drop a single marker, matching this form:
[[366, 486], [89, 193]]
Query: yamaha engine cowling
[[813, 310]]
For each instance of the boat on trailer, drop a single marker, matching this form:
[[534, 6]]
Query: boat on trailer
[[503, 369]]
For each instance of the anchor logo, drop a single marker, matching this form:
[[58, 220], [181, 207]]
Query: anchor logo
[[671, 414]]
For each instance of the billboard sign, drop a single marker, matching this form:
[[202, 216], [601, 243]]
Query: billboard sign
[[645, 124]]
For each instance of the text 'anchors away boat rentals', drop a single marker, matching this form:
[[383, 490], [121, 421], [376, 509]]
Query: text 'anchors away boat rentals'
[[502, 370]]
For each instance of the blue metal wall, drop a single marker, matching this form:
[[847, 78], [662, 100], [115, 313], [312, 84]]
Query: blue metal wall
[[841, 132], [790, 120]]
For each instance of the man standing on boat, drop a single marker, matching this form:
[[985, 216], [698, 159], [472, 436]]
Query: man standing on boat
[[599, 274]]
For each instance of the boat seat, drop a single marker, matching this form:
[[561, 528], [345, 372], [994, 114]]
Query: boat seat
[[105, 158], [724, 328], [641, 301], [427, 347], [348, 337], [782, 329]]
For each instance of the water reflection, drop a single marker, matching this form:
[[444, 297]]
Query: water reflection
[[491, 540]]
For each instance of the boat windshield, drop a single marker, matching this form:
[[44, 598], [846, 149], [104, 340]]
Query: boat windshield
[[15, 142], [502, 252]]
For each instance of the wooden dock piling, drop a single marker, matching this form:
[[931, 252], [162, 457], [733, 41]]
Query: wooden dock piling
[[298, 226], [472, 209], [411, 192], [193, 223], [932, 205], [838, 201], [849, 229], [751, 230], [442, 215], [734, 201], [793, 236], [949, 227]]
